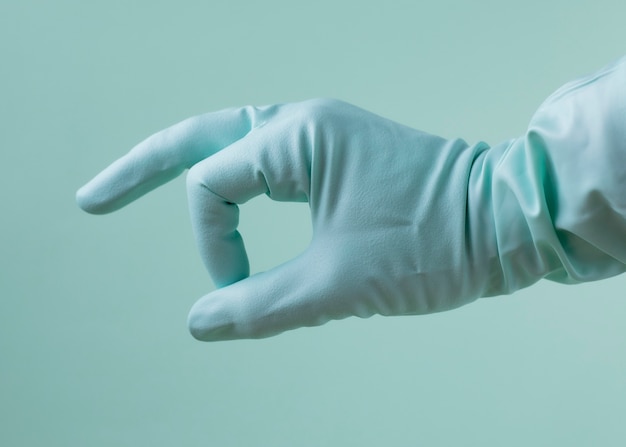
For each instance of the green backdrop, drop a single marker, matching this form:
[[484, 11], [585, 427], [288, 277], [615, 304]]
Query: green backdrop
[[94, 349]]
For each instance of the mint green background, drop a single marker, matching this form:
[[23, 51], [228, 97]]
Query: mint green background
[[94, 349]]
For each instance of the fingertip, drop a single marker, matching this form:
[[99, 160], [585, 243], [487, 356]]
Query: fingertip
[[196, 325], [88, 202], [208, 323], [84, 202]]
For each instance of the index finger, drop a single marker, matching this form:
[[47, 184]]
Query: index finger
[[163, 157]]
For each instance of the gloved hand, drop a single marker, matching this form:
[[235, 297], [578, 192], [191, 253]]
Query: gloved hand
[[403, 222]]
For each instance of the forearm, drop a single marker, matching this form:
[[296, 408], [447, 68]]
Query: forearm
[[553, 203]]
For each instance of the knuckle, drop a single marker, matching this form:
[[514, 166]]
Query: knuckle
[[319, 109], [194, 178]]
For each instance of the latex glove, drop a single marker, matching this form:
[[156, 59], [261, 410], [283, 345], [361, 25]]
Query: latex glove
[[403, 222]]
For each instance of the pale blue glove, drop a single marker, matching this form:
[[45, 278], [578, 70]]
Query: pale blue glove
[[403, 222]]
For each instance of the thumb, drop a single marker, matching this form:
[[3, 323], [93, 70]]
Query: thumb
[[286, 297]]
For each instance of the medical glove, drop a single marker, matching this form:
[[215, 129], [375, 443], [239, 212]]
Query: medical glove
[[403, 222]]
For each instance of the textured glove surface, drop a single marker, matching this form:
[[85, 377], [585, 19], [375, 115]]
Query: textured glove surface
[[555, 199], [403, 222]]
